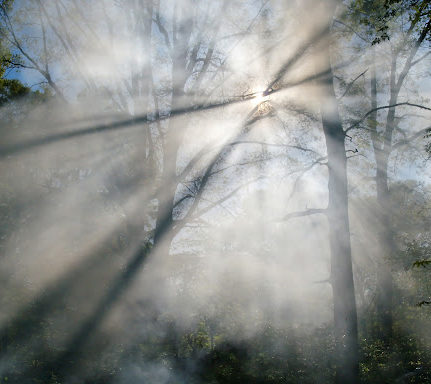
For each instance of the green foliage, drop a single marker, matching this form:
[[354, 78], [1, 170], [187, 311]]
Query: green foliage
[[421, 263], [208, 352], [378, 15], [402, 359], [11, 89], [372, 15]]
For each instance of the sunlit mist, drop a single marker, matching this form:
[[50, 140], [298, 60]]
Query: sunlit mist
[[214, 192]]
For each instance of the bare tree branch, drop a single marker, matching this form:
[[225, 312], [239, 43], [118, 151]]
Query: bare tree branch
[[36, 66], [352, 30], [420, 58], [354, 125], [307, 212], [411, 138], [352, 82]]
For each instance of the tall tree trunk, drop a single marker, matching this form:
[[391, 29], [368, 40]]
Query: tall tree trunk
[[345, 316], [174, 135], [382, 149], [386, 247], [384, 274]]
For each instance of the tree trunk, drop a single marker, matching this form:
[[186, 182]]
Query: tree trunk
[[345, 316], [387, 248], [382, 149], [173, 138]]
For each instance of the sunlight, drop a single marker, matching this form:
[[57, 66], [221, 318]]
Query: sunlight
[[259, 98], [215, 192]]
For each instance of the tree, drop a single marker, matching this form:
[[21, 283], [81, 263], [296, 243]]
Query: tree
[[165, 124], [191, 61], [345, 316], [341, 277], [376, 17], [10, 89]]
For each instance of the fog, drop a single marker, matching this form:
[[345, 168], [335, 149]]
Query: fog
[[174, 187]]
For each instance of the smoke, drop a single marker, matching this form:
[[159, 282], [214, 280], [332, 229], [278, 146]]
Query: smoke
[[227, 92]]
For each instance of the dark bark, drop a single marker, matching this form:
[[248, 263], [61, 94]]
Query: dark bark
[[384, 233], [387, 248], [383, 147], [345, 316]]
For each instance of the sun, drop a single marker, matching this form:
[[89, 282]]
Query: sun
[[260, 97]]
